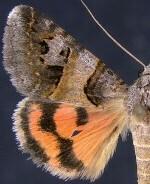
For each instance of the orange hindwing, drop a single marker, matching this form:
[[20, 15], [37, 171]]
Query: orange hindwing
[[69, 141]]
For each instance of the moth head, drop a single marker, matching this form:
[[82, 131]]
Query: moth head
[[143, 85]]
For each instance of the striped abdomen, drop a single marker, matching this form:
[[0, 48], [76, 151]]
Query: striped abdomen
[[141, 141]]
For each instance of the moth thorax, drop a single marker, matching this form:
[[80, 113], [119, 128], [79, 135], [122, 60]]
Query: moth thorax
[[139, 110], [139, 96]]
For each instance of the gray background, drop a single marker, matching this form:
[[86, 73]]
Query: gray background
[[129, 22]]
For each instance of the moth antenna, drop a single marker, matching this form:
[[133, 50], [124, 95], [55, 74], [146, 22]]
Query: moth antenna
[[111, 37]]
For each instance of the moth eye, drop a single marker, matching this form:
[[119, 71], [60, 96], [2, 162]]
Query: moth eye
[[44, 47], [65, 52]]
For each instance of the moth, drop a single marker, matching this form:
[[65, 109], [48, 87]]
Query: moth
[[75, 107]]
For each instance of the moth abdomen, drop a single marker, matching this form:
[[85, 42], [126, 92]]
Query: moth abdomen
[[141, 141]]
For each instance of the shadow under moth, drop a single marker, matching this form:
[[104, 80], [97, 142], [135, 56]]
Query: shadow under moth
[[75, 107]]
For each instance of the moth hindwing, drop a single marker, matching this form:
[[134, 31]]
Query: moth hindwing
[[74, 111]]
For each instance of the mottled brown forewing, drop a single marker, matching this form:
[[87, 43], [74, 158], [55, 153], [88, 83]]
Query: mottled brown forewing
[[46, 62]]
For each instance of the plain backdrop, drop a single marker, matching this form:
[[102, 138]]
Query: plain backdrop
[[129, 22]]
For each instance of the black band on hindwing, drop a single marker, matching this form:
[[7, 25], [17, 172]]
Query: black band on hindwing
[[82, 116], [66, 156], [31, 144]]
